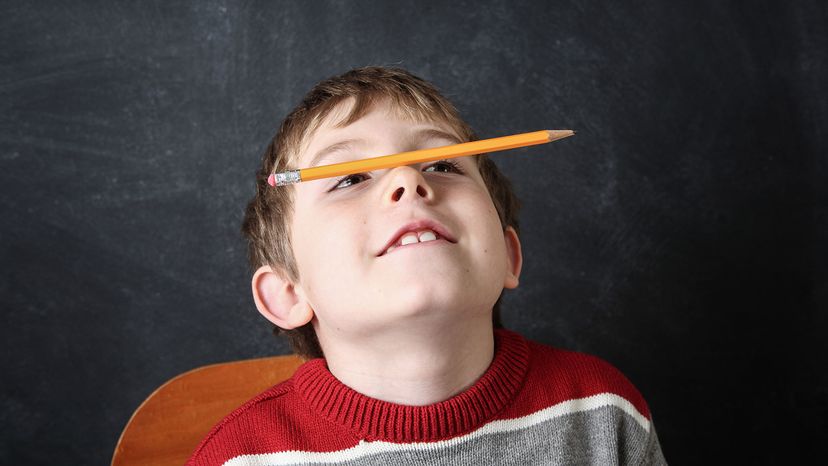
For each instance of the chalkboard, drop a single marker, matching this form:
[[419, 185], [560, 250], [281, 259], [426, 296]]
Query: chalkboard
[[682, 235]]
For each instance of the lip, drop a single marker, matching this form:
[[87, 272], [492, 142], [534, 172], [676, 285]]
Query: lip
[[415, 225]]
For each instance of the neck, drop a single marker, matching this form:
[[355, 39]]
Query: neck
[[410, 366]]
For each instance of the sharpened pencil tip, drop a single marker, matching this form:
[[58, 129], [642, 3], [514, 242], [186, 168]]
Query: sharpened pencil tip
[[555, 134]]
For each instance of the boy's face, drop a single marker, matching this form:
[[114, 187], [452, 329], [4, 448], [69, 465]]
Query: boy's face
[[340, 229]]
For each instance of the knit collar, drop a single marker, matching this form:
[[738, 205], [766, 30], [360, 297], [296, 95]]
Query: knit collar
[[374, 419]]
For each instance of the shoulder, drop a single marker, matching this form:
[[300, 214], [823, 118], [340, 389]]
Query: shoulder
[[558, 375], [240, 431], [277, 420], [581, 399]]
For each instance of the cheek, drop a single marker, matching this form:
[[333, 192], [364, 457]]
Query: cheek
[[326, 248], [486, 211], [491, 230]]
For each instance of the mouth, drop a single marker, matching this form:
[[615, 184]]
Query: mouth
[[421, 232]]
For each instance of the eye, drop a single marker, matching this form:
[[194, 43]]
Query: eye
[[447, 165], [341, 183]]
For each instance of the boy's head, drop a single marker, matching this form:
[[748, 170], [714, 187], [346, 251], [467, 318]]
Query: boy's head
[[319, 247]]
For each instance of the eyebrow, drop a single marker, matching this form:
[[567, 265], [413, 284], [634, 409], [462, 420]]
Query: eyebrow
[[415, 139]]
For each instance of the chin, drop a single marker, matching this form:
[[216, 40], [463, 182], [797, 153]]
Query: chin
[[413, 301]]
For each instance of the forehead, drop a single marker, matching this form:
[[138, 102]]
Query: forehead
[[333, 127]]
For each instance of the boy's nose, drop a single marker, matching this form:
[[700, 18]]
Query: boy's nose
[[408, 183]]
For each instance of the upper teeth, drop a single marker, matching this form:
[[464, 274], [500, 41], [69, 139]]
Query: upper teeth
[[413, 237]]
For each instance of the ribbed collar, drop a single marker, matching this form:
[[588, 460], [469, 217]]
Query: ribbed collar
[[373, 419]]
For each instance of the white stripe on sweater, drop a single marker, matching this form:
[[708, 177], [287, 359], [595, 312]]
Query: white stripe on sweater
[[507, 425]]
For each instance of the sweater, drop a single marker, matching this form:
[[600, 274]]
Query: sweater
[[535, 404]]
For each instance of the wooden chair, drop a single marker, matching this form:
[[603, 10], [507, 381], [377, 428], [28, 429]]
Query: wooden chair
[[170, 423]]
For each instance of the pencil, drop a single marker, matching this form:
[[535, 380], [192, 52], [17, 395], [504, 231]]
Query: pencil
[[418, 156]]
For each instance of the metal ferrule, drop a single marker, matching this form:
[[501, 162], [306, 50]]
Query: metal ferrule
[[288, 177]]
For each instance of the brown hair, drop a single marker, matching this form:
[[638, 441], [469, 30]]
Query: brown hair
[[267, 219]]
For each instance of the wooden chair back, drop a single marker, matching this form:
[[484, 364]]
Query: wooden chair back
[[170, 423]]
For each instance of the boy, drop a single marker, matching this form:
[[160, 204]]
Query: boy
[[389, 282]]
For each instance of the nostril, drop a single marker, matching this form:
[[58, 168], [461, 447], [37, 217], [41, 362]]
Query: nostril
[[398, 194]]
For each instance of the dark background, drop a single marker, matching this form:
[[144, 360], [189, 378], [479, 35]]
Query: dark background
[[681, 235]]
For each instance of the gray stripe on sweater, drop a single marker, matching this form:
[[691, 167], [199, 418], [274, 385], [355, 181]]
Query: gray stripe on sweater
[[601, 436]]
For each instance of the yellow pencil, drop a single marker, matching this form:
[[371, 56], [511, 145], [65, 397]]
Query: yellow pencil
[[418, 156]]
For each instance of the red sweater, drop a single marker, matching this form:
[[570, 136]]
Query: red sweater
[[534, 405]]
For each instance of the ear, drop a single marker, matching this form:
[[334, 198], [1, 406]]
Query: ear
[[515, 257], [278, 300]]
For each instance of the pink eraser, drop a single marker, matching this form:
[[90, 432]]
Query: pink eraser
[[271, 180]]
